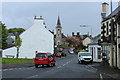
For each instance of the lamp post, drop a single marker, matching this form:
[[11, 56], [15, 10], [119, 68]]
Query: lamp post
[[87, 26]]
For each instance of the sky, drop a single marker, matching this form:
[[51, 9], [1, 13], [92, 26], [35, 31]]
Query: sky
[[72, 15]]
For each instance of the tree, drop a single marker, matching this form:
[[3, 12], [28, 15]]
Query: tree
[[18, 42], [97, 36], [73, 40], [3, 36], [12, 30]]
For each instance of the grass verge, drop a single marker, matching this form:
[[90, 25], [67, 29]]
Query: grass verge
[[15, 61]]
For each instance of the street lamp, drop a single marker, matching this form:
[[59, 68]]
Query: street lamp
[[87, 26]]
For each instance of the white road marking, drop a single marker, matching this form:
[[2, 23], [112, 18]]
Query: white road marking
[[92, 67], [101, 76], [108, 74], [16, 69], [64, 64], [59, 67], [32, 76]]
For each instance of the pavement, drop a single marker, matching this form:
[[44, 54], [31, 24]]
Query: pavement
[[66, 68], [20, 65], [105, 69]]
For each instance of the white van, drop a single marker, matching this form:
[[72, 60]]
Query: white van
[[84, 57]]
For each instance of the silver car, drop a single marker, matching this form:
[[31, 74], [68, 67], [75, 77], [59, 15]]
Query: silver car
[[84, 57]]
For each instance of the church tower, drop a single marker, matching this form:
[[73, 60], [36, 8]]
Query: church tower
[[58, 33]]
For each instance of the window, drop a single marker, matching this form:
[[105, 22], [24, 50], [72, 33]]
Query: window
[[58, 43], [99, 53], [50, 56], [94, 53], [107, 27], [59, 32], [41, 55]]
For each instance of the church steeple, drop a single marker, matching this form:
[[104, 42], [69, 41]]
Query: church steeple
[[58, 22]]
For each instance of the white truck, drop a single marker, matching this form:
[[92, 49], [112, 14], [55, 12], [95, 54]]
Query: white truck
[[84, 57]]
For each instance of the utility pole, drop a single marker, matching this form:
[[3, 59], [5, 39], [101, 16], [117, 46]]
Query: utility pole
[[111, 37]]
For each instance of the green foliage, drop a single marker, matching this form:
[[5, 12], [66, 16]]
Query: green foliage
[[12, 30], [14, 60], [62, 46], [18, 42], [3, 36], [80, 47], [97, 36]]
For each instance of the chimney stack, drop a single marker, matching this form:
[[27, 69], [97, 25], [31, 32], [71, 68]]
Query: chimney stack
[[119, 3], [104, 10], [40, 17], [78, 34], [72, 33]]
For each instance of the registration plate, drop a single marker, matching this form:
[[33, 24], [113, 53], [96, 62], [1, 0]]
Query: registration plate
[[40, 59]]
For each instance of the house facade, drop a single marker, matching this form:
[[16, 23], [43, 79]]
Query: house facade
[[95, 50], [86, 41], [36, 38], [110, 36], [11, 38]]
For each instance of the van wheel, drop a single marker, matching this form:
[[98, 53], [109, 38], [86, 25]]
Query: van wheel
[[91, 62], [78, 62], [36, 65]]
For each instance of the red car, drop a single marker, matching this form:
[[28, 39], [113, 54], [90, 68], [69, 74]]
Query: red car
[[58, 55], [44, 59]]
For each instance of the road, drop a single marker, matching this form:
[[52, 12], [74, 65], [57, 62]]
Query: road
[[66, 67]]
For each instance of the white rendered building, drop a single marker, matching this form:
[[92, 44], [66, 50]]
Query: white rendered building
[[36, 38]]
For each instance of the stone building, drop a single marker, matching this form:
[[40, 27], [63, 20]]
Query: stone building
[[60, 38], [110, 34]]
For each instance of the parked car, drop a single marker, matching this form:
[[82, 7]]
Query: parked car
[[44, 59], [63, 54], [58, 54], [84, 57], [71, 50], [60, 49]]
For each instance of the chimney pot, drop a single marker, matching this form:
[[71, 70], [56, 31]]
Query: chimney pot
[[41, 17], [35, 17], [72, 33], [44, 22]]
